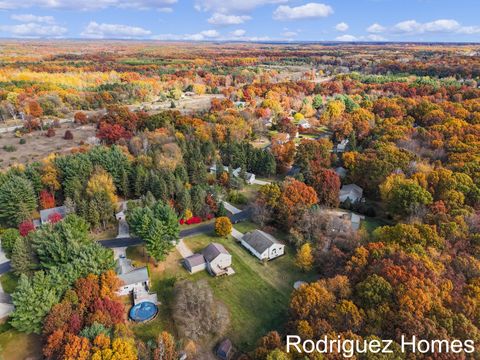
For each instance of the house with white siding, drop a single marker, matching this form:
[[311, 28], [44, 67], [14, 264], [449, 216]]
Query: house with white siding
[[262, 245]]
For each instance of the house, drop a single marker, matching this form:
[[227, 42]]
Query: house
[[218, 259], [342, 146], [224, 350], [305, 124], [352, 192], [214, 258], [262, 245], [195, 263], [355, 220], [133, 279], [47, 213], [249, 177]]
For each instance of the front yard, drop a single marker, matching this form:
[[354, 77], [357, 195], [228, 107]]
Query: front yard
[[257, 295]]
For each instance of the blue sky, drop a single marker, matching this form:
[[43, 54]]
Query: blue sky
[[243, 20]]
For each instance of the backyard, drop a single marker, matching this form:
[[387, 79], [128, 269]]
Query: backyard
[[257, 295]]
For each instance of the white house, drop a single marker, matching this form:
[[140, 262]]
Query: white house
[[342, 146], [264, 246], [305, 124], [249, 177], [352, 192], [133, 279], [218, 259], [214, 258]]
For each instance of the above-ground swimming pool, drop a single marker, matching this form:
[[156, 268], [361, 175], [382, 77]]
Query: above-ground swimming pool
[[144, 311]]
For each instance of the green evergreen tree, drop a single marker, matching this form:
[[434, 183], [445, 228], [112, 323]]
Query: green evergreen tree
[[17, 201], [23, 259]]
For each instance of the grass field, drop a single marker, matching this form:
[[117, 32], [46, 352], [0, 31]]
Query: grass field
[[257, 295], [19, 346]]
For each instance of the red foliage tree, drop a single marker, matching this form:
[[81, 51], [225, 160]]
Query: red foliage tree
[[326, 183], [25, 227], [54, 218], [47, 200]]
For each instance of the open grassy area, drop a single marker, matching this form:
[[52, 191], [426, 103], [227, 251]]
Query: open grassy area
[[257, 295], [370, 224], [19, 346], [245, 226]]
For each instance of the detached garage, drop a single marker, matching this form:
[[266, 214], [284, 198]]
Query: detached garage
[[195, 263], [262, 245]]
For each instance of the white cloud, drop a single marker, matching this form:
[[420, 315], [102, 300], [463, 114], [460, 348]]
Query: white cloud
[[289, 34], [413, 27], [346, 38], [84, 4], [165, 10], [307, 11], [34, 30], [342, 26], [376, 28], [33, 18], [375, 37], [118, 31], [223, 19], [201, 36], [233, 6], [238, 33], [469, 30]]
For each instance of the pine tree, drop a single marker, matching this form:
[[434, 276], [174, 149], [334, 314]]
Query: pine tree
[[23, 258], [17, 201]]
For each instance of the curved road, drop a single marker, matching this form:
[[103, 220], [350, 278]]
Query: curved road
[[130, 241]]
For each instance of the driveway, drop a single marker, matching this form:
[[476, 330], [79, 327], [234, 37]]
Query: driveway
[[231, 208], [260, 182], [237, 234], [183, 249], [6, 306]]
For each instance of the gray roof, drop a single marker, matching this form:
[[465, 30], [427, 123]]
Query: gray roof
[[213, 250], [124, 265], [45, 213], [259, 240], [195, 260], [137, 275]]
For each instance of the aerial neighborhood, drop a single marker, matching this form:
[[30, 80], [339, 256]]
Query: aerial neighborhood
[[166, 201]]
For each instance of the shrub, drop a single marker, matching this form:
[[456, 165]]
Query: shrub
[[9, 148], [50, 133], [22, 141], [80, 118], [68, 135]]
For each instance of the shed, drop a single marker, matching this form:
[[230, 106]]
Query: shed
[[195, 263], [46, 213]]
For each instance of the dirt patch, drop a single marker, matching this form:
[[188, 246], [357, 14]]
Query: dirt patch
[[37, 145]]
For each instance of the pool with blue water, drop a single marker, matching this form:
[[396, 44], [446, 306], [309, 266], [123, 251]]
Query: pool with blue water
[[144, 311]]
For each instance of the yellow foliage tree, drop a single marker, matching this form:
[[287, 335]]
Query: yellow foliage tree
[[101, 181], [50, 174], [304, 258], [223, 226]]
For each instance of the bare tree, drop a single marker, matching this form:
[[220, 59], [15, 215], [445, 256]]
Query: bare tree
[[196, 313]]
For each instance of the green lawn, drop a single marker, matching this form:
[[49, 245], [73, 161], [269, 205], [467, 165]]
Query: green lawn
[[9, 282], [257, 295], [245, 226], [370, 224]]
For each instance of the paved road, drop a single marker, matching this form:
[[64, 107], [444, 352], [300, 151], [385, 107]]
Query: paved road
[[130, 241]]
